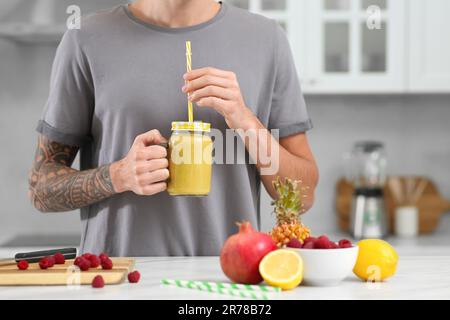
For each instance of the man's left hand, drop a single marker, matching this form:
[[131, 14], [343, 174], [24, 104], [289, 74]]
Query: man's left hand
[[219, 89]]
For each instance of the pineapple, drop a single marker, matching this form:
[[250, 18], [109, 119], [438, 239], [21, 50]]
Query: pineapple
[[287, 209]]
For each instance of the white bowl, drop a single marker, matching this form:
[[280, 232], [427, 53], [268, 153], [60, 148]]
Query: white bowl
[[327, 267]]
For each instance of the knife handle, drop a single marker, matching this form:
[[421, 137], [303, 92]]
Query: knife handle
[[35, 256]]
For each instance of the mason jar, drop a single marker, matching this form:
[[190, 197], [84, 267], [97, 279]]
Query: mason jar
[[190, 159]]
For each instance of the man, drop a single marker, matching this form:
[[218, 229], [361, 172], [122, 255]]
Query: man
[[118, 82]]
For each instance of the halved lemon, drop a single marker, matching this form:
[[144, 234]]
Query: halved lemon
[[282, 268]]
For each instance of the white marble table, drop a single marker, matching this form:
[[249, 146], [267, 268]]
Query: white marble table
[[418, 277]]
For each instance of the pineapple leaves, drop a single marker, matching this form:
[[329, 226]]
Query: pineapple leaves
[[289, 203]]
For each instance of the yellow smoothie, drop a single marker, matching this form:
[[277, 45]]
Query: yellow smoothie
[[190, 160]]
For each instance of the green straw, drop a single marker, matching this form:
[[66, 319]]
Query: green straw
[[225, 285], [235, 290]]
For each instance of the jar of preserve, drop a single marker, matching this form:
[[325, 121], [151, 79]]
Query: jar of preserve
[[190, 159]]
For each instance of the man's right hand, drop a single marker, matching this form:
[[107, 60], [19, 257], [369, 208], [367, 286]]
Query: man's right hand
[[144, 170]]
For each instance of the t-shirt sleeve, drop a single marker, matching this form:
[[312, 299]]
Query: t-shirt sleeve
[[68, 113], [288, 111]]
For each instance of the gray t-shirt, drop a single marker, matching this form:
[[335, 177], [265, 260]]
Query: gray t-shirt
[[118, 77]]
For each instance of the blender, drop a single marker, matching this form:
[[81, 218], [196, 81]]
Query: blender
[[366, 169]]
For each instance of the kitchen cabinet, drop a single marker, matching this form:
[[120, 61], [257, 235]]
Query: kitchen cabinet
[[342, 46], [429, 46], [354, 46], [290, 15], [365, 46]]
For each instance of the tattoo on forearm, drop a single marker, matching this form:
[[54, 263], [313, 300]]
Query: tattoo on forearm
[[55, 186]]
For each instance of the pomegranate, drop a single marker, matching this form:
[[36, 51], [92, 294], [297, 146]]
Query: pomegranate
[[242, 253]]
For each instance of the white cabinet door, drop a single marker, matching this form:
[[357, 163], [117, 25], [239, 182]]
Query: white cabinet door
[[354, 46], [429, 46], [290, 14]]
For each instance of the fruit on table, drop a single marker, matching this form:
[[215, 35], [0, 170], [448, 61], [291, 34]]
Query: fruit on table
[[46, 262], [22, 265], [287, 209], [89, 260], [83, 263], [103, 256], [51, 261], [133, 277], [94, 260], [242, 253], [308, 243], [322, 242], [294, 243], [344, 243], [377, 260], [107, 264], [77, 261], [282, 268], [87, 255], [98, 282], [59, 258]]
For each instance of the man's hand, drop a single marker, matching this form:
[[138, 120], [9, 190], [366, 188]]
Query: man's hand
[[219, 89], [145, 169]]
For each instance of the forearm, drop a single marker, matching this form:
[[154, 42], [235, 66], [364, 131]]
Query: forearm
[[54, 186], [61, 188], [282, 163], [297, 168]]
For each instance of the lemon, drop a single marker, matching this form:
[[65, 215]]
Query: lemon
[[377, 260], [282, 268]]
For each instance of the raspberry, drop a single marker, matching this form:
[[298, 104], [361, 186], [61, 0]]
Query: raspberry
[[103, 256], [344, 243], [59, 258], [309, 239], [98, 282], [77, 261], [294, 243], [107, 264], [51, 261], [334, 245], [323, 243], [44, 263], [22, 265], [308, 245], [87, 255], [134, 276], [84, 264], [95, 261]]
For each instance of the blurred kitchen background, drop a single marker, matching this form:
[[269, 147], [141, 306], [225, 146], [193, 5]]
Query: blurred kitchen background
[[370, 70]]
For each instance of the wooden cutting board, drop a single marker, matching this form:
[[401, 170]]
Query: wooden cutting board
[[64, 274]]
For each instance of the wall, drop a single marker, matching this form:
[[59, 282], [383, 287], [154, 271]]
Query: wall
[[24, 77]]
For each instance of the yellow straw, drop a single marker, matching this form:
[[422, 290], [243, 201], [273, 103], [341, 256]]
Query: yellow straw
[[189, 68]]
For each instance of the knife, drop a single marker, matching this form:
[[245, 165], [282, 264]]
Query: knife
[[35, 256]]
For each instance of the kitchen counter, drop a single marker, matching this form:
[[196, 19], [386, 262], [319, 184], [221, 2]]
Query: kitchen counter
[[418, 277]]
